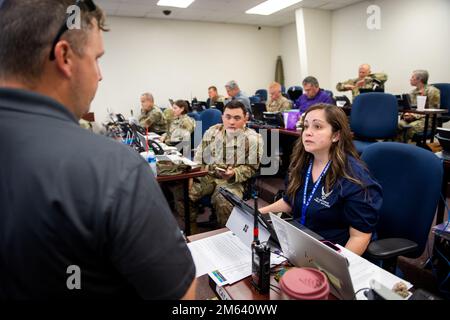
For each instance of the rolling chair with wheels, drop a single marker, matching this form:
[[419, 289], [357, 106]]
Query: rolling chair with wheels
[[411, 179]]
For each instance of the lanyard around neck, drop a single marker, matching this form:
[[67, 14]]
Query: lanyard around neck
[[306, 202]]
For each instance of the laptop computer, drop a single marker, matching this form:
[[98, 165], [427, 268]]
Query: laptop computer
[[274, 119], [342, 101], [263, 219], [377, 89], [404, 102], [219, 106], [303, 250], [258, 109]]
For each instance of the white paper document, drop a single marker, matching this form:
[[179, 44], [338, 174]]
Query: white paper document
[[362, 271], [153, 136], [218, 252], [224, 257], [178, 158]]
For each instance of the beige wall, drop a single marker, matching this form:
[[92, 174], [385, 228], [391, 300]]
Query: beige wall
[[174, 59], [414, 34]]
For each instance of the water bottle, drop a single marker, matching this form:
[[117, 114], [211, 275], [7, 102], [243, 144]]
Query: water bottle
[[151, 159]]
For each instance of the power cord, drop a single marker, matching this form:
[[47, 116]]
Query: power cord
[[275, 288], [362, 289]]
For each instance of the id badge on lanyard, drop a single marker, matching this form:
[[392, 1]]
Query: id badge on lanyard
[[306, 202]]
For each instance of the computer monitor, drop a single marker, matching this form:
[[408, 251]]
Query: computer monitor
[[274, 119], [258, 109], [219, 106], [199, 106], [404, 101], [377, 89], [342, 101]]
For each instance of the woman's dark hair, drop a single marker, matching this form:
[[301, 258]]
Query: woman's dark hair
[[183, 105], [339, 153]]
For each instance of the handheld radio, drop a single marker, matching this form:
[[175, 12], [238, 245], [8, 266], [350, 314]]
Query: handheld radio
[[260, 257]]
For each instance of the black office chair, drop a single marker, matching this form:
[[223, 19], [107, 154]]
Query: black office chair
[[262, 94], [255, 99], [411, 179], [294, 92]]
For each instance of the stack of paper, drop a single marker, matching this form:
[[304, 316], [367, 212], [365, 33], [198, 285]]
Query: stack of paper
[[224, 257], [362, 271]]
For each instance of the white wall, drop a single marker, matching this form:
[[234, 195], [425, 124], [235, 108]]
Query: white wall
[[289, 53], [314, 35], [178, 59], [414, 34], [174, 59]]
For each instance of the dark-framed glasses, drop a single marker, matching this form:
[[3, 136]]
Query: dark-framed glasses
[[86, 5]]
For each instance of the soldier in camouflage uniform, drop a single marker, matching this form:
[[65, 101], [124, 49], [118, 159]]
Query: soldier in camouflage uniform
[[366, 80], [151, 116], [180, 125], [231, 153], [277, 102], [214, 97], [419, 79], [168, 115]]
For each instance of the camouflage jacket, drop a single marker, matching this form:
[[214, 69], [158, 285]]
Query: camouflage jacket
[[168, 115], [180, 129], [281, 104], [241, 151], [153, 120], [213, 102], [433, 100], [368, 83]]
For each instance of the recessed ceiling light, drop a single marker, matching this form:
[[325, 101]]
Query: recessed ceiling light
[[175, 3], [271, 6]]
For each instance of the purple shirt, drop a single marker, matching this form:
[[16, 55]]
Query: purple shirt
[[303, 102]]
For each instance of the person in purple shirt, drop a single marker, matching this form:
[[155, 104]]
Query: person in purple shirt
[[312, 95]]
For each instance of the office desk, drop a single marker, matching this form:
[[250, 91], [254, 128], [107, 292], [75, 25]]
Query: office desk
[[427, 113], [241, 290], [184, 178]]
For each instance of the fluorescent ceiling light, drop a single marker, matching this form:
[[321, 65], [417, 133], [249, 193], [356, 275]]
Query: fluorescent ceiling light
[[271, 6], [175, 3]]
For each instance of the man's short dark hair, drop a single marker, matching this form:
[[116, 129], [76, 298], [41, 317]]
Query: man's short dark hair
[[213, 87], [27, 29], [312, 81], [235, 104]]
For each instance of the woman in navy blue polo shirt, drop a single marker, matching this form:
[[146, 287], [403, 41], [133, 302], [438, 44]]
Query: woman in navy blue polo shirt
[[330, 191]]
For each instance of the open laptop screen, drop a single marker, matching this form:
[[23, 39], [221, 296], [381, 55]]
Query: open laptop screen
[[303, 250]]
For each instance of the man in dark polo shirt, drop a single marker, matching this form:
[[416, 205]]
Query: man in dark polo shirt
[[81, 215]]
